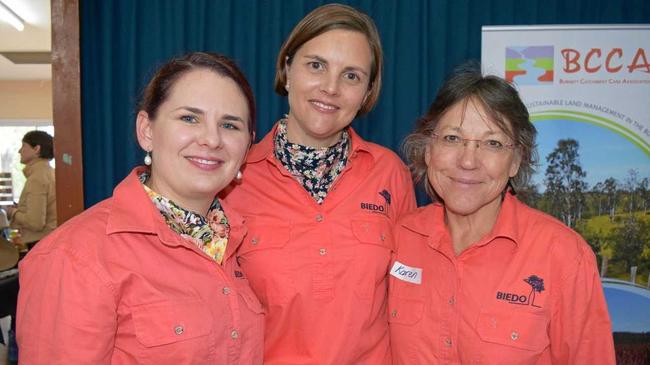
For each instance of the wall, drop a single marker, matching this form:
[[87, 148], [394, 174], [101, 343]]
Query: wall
[[25, 99]]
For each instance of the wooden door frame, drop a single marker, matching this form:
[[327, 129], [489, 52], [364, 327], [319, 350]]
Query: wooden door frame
[[66, 104]]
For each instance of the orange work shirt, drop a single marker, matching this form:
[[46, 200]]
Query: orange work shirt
[[115, 285], [320, 271], [527, 293]]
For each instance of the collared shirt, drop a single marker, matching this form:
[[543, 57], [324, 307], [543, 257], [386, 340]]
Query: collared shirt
[[35, 214], [115, 285], [527, 293], [320, 269]]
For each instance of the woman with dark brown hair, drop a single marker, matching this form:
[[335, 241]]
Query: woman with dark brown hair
[[35, 213], [149, 275]]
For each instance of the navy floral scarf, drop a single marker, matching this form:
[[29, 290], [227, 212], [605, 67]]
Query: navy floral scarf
[[316, 169]]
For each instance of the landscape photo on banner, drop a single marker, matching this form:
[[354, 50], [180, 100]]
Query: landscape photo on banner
[[587, 89]]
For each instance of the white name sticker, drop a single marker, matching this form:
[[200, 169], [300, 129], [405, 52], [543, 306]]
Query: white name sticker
[[406, 273]]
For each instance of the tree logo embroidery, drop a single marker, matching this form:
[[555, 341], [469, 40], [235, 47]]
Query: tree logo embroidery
[[386, 195], [537, 286], [377, 207]]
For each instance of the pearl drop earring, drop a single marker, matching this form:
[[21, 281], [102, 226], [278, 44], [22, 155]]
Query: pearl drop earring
[[147, 159]]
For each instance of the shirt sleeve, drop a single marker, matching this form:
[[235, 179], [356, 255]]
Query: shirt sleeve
[[31, 214], [405, 192], [580, 329], [66, 310]]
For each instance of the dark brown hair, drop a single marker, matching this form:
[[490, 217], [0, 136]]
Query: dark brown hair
[[501, 103], [325, 18], [43, 139], [158, 88]]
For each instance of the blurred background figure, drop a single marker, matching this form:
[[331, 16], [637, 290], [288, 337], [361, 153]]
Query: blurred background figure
[[35, 213]]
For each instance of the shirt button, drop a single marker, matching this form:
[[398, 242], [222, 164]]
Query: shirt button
[[226, 290], [382, 237], [254, 241], [393, 313], [322, 251], [234, 334], [448, 342], [179, 330], [514, 335], [452, 301], [319, 218]]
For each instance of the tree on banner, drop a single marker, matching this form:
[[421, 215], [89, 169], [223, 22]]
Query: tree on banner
[[565, 185]]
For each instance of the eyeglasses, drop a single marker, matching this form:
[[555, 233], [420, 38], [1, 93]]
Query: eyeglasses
[[454, 141]]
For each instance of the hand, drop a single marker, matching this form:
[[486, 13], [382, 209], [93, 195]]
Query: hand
[[10, 209]]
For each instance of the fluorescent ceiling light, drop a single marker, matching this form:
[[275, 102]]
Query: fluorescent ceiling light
[[11, 17]]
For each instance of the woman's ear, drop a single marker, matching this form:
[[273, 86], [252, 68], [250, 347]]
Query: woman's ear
[[516, 162], [287, 66], [144, 131]]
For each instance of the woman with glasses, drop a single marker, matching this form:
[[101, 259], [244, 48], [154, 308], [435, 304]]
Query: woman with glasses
[[478, 276]]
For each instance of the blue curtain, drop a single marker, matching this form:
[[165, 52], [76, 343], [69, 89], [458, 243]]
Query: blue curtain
[[123, 41]]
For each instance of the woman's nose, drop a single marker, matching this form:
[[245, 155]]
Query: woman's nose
[[210, 136], [330, 84], [469, 154]]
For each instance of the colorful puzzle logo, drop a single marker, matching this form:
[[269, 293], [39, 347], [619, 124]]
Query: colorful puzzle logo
[[529, 65]]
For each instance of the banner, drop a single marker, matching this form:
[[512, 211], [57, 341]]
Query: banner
[[590, 84]]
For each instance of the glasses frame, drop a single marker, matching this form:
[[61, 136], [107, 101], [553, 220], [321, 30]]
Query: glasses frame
[[479, 143]]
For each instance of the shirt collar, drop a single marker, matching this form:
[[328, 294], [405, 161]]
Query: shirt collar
[[264, 148], [506, 225], [132, 211], [34, 165]]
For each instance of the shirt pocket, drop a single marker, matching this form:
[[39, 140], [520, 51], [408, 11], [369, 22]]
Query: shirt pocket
[[267, 262], [167, 323], [265, 237], [527, 331], [373, 253], [405, 311], [405, 316]]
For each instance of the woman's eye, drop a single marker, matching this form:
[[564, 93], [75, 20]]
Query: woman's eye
[[189, 119], [352, 76], [450, 138], [229, 125], [492, 143], [315, 65]]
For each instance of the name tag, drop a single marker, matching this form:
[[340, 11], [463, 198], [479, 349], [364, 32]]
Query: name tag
[[406, 273]]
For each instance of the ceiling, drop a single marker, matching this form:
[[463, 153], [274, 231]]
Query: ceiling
[[36, 37]]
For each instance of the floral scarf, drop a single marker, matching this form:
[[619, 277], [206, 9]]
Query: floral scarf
[[209, 234], [316, 169]]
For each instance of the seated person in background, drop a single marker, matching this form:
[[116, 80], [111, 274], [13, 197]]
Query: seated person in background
[[149, 276], [35, 214], [478, 276]]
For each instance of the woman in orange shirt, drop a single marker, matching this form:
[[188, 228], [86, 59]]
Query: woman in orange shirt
[[320, 201], [479, 277], [149, 275]]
